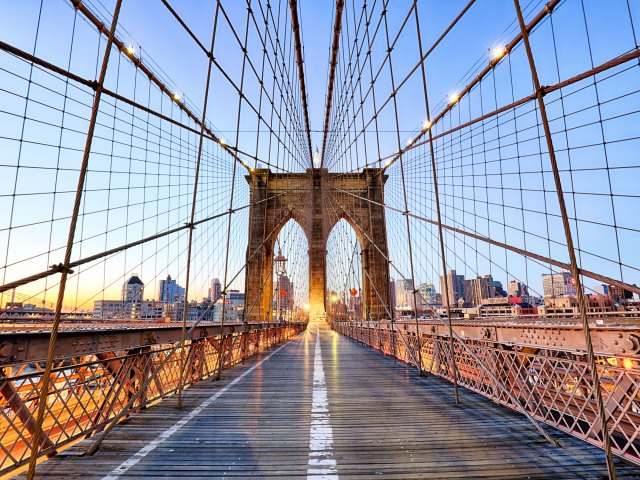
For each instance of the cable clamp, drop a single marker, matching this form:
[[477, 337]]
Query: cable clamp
[[542, 91], [60, 268], [190, 225]]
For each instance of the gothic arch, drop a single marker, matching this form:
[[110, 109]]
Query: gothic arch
[[317, 200]]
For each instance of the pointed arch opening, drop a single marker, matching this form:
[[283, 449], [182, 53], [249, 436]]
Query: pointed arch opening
[[290, 273], [344, 293]]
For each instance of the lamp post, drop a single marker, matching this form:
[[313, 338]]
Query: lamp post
[[280, 263]]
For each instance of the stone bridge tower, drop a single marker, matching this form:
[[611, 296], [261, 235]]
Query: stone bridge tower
[[317, 200]]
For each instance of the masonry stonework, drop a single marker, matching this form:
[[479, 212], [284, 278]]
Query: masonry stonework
[[317, 200]]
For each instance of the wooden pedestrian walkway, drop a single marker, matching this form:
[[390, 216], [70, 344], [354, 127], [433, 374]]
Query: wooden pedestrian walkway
[[324, 407]]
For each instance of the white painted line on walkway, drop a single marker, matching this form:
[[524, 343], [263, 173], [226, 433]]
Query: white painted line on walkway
[[151, 446], [322, 465]]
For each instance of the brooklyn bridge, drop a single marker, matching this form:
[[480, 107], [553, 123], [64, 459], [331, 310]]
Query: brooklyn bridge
[[301, 239]]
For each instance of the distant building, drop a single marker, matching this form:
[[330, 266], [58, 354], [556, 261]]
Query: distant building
[[569, 306], [428, 293], [617, 294], [517, 289], [233, 305], [498, 290], [503, 307], [132, 296], [392, 296], [355, 306], [405, 299], [131, 305], [455, 287], [477, 289], [170, 291], [558, 285], [284, 295], [117, 309], [108, 309], [26, 308], [215, 290]]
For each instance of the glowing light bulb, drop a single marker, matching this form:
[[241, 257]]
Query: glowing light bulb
[[498, 52], [389, 162], [223, 142], [131, 50], [453, 98], [426, 125], [627, 363], [409, 142], [177, 97], [316, 158]]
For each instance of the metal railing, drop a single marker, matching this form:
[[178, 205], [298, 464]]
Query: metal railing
[[552, 384], [87, 392]]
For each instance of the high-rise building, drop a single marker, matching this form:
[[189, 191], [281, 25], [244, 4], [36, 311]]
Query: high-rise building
[[132, 296], [392, 296], [169, 291], [558, 285], [215, 290], [617, 294], [456, 287], [517, 289], [284, 296], [233, 304], [477, 289], [498, 290], [355, 306], [428, 293], [405, 300]]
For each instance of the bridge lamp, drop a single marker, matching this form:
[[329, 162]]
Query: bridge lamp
[[131, 50], [426, 125], [280, 263], [177, 96], [453, 98], [498, 52]]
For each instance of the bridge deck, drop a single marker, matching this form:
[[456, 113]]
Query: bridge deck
[[340, 410]]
